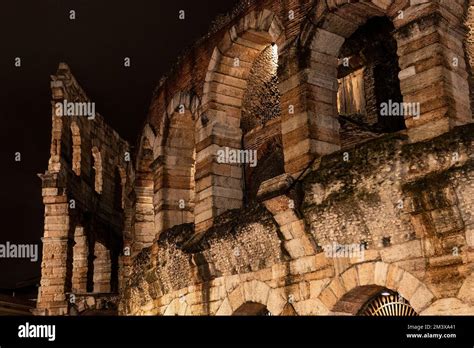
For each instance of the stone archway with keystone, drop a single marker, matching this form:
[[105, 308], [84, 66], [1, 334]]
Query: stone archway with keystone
[[374, 275]]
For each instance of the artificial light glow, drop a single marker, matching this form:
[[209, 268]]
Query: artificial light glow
[[275, 51]]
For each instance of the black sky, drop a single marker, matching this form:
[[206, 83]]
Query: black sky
[[94, 45]]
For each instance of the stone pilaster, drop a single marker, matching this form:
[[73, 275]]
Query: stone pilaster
[[309, 115], [433, 74], [102, 269], [56, 263], [80, 261], [174, 175]]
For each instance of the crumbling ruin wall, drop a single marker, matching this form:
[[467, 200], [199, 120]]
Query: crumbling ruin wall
[[84, 193], [195, 248], [218, 82], [377, 194], [469, 46], [409, 205]]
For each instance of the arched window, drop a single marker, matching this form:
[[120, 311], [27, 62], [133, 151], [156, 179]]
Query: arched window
[[226, 108], [373, 300], [369, 87], [76, 148], [97, 169], [251, 309]]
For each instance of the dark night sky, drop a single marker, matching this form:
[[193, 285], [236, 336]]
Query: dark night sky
[[94, 45]]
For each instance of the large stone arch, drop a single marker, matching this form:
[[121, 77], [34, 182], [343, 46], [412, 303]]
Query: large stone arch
[[370, 277], [253, 291], [430, 38], [219, 185], [186, 99], [174, 163]]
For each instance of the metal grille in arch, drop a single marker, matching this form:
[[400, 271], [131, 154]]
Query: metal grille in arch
[[388, 304]]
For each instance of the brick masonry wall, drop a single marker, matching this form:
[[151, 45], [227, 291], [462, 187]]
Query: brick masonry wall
[[190, 71], [261, 102]]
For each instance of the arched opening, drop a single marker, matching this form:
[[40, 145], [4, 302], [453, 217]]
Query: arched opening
[[434, 90], [97, 170], [369, 98], [251, 309], [388, 303], [76, 148], [174, 171], [288, 311], [373, 300], [220, 152]]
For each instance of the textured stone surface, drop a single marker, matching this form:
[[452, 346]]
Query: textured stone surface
[[310, 230]]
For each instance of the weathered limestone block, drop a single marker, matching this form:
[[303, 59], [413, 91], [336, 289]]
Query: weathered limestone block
[[466, 293], [448, 306]]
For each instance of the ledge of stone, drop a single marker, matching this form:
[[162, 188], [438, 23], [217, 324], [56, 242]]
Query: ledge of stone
[[274, 187]]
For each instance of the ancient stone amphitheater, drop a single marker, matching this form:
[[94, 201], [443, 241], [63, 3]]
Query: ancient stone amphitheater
[[345, 209]]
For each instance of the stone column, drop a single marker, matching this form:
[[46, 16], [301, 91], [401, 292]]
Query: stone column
[[219, 185], [433, 73], [174, 175], [144, 212], [80, 261], [309, 105], [56, 263]]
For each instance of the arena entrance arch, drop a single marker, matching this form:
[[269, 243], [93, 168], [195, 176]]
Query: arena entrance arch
[[374, 300], [251, 309]]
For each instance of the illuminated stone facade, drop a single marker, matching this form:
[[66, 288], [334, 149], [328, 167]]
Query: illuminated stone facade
[[344, 203]]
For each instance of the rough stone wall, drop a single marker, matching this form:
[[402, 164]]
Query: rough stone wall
[[261, 99], [310, 37], [190, 71], [469, 46], [266, 140], [410, 205], [408, 202], [73, 202], [179, 259]]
